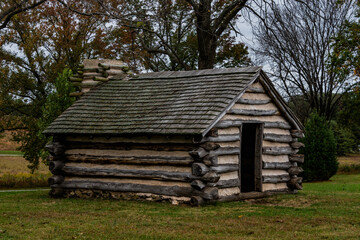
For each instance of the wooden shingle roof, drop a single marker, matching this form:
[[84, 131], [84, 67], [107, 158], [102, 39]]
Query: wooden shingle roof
[[183, 102]]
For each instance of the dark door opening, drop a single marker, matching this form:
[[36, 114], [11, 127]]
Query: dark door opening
[[250, 160]]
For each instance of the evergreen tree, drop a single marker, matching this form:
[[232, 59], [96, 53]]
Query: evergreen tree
[[320, 150]]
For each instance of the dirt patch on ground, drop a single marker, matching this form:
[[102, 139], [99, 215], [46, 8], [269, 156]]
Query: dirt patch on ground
[[6, 142]]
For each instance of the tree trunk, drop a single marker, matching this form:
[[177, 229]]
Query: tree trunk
[[207, 40]]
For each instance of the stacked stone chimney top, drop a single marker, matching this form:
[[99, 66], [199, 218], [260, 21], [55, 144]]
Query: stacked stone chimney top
[[94, 72]]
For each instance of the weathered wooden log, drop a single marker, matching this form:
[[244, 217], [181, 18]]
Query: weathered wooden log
[[198, 153], [80, 72], [101, 79], [229, 123], [276, 165], [76, 94], [89, 84], [199, 169], [118, 76], [92, 74], [138, 174], [55, 148], [131, 146], [243, 196], [56, 167], [113, 72], [181, 191], [295, 170], [297, 145], [224, 151], [296, 158], [278, 150], [281, 125], [81, 66], [76, 79], [90, 69], [211, 177], [112, 66], [55, 179], [253, 101], [295, 183], [222, 138], [146, 160], [198, 184], [128, 173], [103, 66], [210, 193], [253, 112], [225, 183], [278, 138], [210, 161], [208, 146], [225, 168], [238, 123], [196, 201], [276, 178], [255, 90], [297, 133]]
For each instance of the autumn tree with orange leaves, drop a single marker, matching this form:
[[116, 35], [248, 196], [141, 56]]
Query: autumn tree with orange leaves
[[35, 47]]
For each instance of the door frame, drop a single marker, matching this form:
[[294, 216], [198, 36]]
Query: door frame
[[258, 154]]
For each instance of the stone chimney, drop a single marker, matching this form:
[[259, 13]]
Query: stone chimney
[[93, 72]]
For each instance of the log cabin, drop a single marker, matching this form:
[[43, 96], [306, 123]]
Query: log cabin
[[187, 136]]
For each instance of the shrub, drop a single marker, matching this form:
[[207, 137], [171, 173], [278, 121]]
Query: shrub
[[320, 150]]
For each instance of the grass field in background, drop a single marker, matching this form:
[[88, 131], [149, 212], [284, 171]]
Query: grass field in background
[[349, 163], [14, 173], [323, 210]]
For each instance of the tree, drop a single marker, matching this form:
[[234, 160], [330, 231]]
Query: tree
[[295, 39], [33, 141], [346, 46], [349, 115], [165, 29], [320, 161], [9, 9], [35, 47]]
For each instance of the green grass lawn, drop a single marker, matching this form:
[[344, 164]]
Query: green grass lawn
[[18, 153], [323, 210]]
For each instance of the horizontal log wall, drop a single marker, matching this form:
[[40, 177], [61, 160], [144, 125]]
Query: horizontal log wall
[[280, 144], [141, 165]]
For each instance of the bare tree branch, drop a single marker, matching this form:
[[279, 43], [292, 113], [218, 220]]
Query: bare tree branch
[[23, 6]]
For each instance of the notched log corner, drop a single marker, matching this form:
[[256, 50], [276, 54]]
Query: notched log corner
[[55, 179], [199, 169], [198, 153], [56, 167], [196, 201], [295, 183], [198, 185], [55, 148]]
